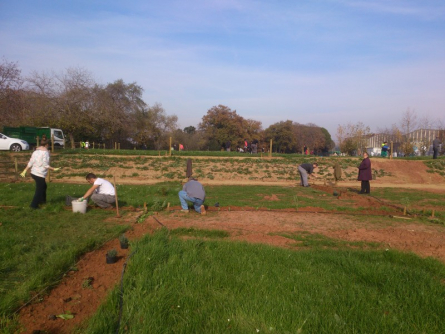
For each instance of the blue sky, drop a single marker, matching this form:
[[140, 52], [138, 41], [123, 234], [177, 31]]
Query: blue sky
[[325, 62]]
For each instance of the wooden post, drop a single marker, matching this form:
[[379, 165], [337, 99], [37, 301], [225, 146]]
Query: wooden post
[[392, 146], [52, 143], [170, 147], [189, 168], [115, 145], [16, 169], [432, 214], [270, 150], [117, 204]]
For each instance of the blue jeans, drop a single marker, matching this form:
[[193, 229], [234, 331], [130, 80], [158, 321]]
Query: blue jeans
[[197, 202]]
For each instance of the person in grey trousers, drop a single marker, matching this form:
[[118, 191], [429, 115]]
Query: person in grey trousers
[[305, 170], [102, 192], [436, 145]]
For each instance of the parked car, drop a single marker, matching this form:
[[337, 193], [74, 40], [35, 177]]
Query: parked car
[[13, 144]]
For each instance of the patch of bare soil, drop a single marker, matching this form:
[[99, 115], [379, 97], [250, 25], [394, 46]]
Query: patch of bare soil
[[243, 224], [272, 198]]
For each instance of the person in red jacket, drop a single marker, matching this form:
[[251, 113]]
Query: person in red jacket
[[365, 174]]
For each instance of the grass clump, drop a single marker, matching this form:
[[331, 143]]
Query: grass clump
[[196, 286]]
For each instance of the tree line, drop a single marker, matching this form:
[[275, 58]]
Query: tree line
[[116, 112]]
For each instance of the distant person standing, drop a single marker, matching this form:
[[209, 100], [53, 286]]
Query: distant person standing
[[305, 170], [254, 146], [385, 149], [228, 145], [305, 149], [365, 174], [436, 145]]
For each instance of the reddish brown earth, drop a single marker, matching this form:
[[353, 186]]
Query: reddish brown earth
[[245, 224]]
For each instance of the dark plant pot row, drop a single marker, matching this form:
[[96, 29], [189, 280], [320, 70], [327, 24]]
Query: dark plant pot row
[[111, 260]]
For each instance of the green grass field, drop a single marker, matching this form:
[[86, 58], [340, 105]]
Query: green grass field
[[330, 286], [196, 286]]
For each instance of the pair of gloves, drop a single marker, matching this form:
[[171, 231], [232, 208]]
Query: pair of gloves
[[23, 174]]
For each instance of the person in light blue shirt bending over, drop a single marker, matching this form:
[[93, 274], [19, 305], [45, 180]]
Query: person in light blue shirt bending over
[[194, 192]]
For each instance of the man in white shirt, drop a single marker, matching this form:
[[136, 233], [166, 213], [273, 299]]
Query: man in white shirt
[[102, 192]]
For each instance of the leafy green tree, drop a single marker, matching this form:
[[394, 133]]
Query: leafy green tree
[[328, 142], [190, 129], [221, 124], [283, 137]]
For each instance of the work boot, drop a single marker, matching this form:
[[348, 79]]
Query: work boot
[[203, 210], [184, 210]]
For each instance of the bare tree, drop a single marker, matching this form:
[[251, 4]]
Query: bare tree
[[408, 124], [10, 76], [353, 137], [165, 124], [409, 121], [11, 93]]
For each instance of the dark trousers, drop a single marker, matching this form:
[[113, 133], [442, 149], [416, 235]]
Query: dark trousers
[[435, 150], [366, 187], [40, 194]]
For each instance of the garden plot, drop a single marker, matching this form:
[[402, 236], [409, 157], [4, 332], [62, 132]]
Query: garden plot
[[291, 230], [245, 171], [278, 213]]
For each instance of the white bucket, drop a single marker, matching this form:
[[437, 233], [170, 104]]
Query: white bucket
[[79, 206]]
